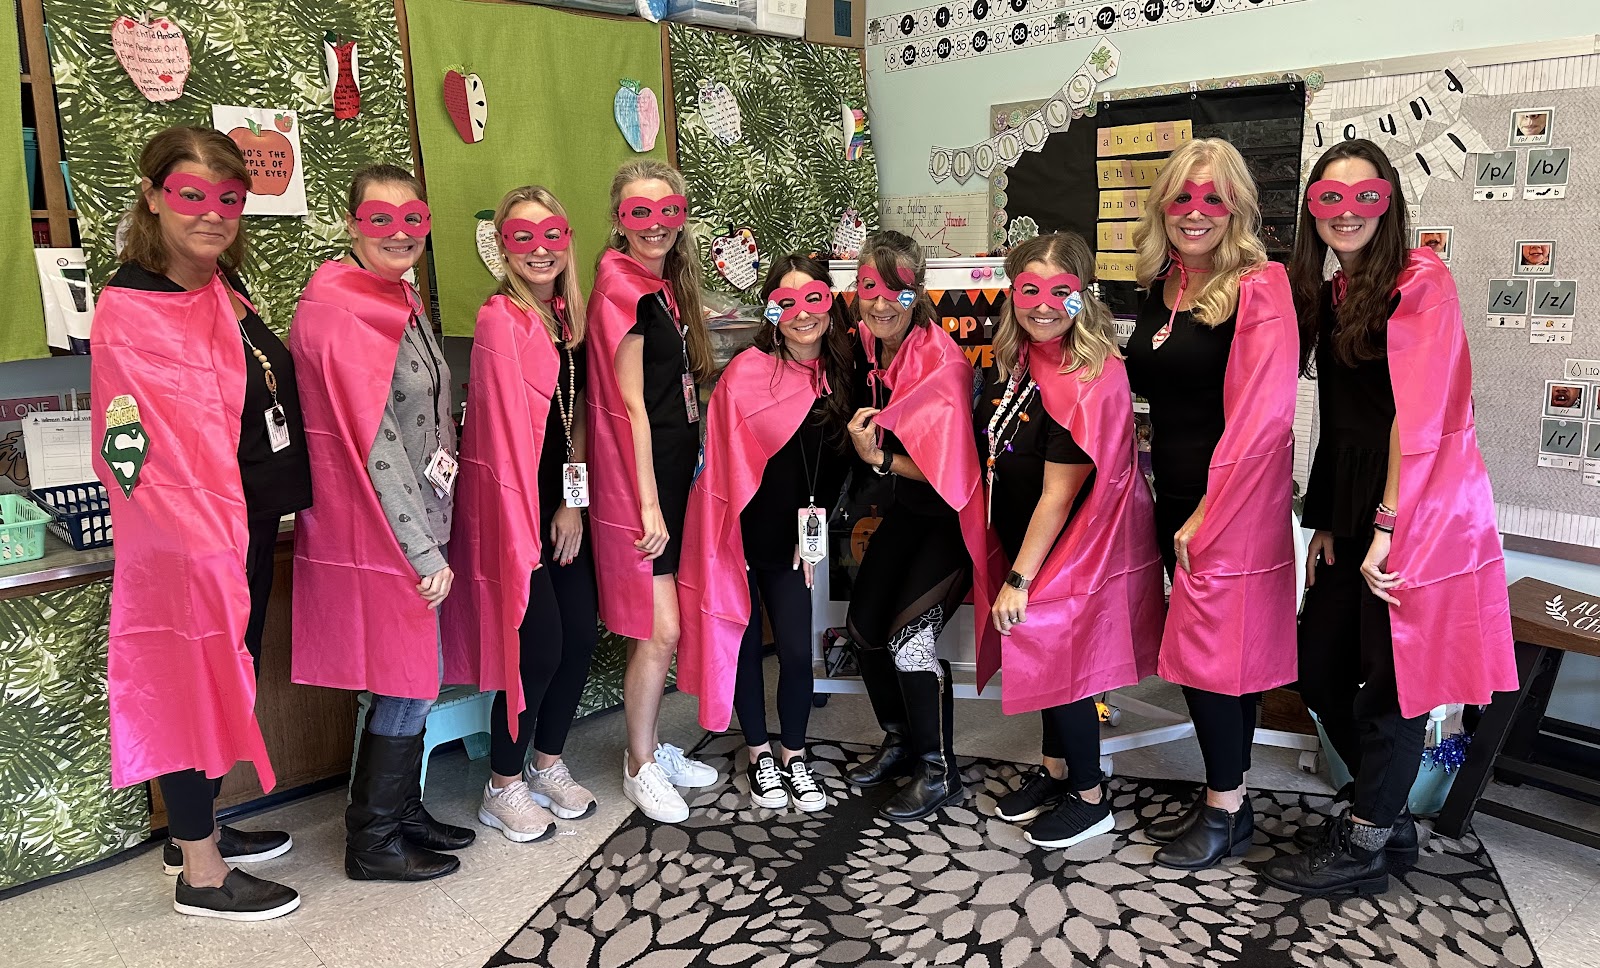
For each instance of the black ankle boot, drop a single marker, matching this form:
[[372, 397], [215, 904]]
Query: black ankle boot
[[1336, 866], [375, 848], [930, 708], [417, 826], [1170, 829], [1215, 834], [894, 758], [1401, 850]]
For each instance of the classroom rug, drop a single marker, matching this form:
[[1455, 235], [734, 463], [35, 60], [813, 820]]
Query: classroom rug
[[736, 886]]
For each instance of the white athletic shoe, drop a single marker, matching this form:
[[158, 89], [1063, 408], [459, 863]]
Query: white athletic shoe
[[653, 793], [683, 771], [513, 812]]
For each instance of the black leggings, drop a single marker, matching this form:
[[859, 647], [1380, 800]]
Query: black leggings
[[189, 795], [787, 600], [558, 635], [913, 577], [1072, 733], [1347, 678]]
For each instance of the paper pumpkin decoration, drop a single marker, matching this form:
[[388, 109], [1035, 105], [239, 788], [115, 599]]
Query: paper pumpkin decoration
[[720, 111], [638, 114], [155, 55], [849, 235], [467, 104], [344, 75], [489, 244], [861, 535], [737, 257]]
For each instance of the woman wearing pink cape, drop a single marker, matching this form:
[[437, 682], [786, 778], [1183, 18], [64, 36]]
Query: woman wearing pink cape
[[932, 545], [1406, 605], [776, 458], [1214, 352], [197, 483], [369, 564], [521, 618], [1080, 610]]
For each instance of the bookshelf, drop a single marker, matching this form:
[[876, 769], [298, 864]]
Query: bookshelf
[[39, 93]]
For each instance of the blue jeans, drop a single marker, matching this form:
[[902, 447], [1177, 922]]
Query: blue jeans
[[399, 716]]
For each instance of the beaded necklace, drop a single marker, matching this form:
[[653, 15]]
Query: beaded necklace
[[1010, 413], [565, 405], [266, 369]]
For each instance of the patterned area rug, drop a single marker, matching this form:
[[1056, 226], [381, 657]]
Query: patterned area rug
[[747, 887]]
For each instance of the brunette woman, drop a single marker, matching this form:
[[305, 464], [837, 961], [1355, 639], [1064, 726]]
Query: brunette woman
[[1405, 606], [651, 350], [1080, 610], [523, 615], [776, 457], [370, 565], [922, 558], [197, 484], [1214, 352]]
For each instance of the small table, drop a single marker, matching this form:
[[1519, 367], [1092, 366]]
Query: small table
[[1547, 622]]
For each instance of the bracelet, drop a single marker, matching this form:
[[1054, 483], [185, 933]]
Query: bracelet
[[1384, 518]]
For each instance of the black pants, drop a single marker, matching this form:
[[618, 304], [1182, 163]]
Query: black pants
[[1072, 733], [1224, 725], [913, 577], [558, 636], [189, 795], [1347, 678], [787, 600]]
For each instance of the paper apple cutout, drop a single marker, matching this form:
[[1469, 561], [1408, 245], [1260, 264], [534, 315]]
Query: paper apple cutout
[[344, 75], [638, 114], [268, 155], [737, 257], [465, 100], [720, 111], [849, 235], [489, 244], [155, 55]]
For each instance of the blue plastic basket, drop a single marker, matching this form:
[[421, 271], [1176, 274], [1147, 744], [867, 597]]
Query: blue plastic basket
[[21, 529], [80, 513]]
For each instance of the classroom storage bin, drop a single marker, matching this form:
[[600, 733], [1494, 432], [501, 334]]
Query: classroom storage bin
[[21, 529], [728, 14], [781, 18], [80, 513]]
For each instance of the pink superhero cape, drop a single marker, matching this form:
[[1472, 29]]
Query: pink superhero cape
[[496, 541], [1452, 629], [758, 405], [626, 588], [930, 411], [1231, 625], [358, 620], [1096, 606], [182, 685]]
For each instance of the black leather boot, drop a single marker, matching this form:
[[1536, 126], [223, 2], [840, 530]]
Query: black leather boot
[[1170, 829], [1215, 834], [375, 849], [894, 758], [1402, 849], [1338, 865], [417, 826], [930, 709]]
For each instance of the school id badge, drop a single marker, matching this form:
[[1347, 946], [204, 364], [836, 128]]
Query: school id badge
[[813, 534], [575, 484]]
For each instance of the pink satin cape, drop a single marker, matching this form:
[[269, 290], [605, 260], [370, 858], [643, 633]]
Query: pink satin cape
[[626, 588], [496, 540], [930, 411], [758, 405], [1452, 628], [1231, 624], [182, 685], [1096, 606], [359, 622]]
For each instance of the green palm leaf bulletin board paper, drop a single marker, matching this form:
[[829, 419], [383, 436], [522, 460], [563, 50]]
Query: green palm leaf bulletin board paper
[[786, 178], [244, 52], [550, 77], [22, 325]]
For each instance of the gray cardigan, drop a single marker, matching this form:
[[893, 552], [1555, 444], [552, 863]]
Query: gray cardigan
[[404, 445]]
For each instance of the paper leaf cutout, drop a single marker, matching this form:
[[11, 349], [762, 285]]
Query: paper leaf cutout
[[849, 235], [467, 104], [344, 75], [638, 114], [738, 258], [720, 111], [489, 245], [155, 55]]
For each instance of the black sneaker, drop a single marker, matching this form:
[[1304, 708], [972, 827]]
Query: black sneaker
[[1073, 821], [237, 847], [1038, 793], [801, 786], [766, 783], [242, 897]]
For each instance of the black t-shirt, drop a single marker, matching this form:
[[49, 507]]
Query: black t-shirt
[[665, 363], [571, 381], [1019, 467], [275, 483], [917, 497], [770, 522], [1183, 381]]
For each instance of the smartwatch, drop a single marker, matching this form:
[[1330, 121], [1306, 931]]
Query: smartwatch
[[1018, 582]]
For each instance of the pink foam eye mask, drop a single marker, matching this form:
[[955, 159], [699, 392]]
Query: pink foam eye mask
[[814, 297], [379, 220], [225, 198], [871, 285], [1196, 197], [1367, 198], [554, 233], [638, 213], [1043, 293]]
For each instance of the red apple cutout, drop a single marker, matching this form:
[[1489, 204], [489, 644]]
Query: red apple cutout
[[268, 155], [155, 55], [467, 105]]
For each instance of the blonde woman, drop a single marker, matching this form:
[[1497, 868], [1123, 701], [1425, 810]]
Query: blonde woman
[[1214, 351], [524, 616], [1080, 611], [651, 351]]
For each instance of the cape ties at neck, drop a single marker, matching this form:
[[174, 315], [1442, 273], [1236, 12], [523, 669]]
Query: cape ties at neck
[[559, 307], [1341, 287], [875, 373], [819, 374], [1174, 261]]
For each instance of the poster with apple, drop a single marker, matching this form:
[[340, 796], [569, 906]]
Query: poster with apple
[[269, 138]]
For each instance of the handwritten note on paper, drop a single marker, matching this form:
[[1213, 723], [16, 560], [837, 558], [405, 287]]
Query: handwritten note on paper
[[1127, 173], [1143, 139], [155, 55], [946, 226]]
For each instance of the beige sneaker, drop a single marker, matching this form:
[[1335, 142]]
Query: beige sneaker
[[513, 812], [556, 790]]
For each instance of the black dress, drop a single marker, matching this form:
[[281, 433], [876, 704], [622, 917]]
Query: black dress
[[1025, 446], [674, 439]]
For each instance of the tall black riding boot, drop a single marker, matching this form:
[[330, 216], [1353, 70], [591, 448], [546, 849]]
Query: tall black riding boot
[[375, 849], [930, 709], [417, 826], [893, 759]]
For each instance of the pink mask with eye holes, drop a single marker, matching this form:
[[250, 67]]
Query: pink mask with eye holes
[[212, 195], [1045, 296], [538, 235], [656, 212], [814, 297], [871, 285], [1198, 193], [1342, 198], [412, 218]]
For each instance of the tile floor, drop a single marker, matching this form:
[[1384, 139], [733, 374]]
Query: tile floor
[[121, 917]]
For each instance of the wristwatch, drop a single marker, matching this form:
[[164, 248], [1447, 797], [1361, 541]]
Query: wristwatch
[[1383, 519], [1018, 582], [883, 470]]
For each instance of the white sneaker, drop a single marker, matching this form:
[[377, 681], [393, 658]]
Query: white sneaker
[[653, 794], [683, 771], [513, 813]]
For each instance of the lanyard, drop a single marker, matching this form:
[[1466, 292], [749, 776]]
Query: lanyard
[[435, 365]]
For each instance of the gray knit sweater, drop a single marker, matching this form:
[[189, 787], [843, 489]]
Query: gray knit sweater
[[404, 445]]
